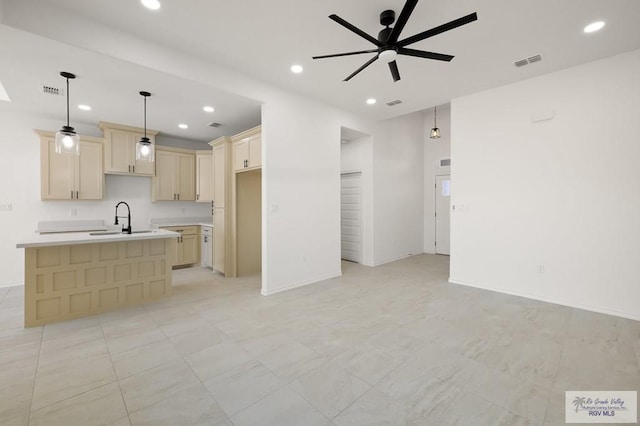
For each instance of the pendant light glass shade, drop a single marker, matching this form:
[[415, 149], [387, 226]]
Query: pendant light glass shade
[[144, 148], [67, 140], [435, 132]]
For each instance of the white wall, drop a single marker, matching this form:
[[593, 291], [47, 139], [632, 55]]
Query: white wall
[[434, 150], [398, 182], [563, 193], [20, 187], [357, 156]]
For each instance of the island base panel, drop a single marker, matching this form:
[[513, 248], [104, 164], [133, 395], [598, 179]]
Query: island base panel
[[71, 281]]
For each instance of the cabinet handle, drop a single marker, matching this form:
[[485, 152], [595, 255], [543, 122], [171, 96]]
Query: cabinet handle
[[198, 197], [134, 168], [129, 169], [72, 195], [178, 196], [77, 195], [174, 196], [246, 163]]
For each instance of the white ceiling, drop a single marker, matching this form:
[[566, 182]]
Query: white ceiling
[[264, 38]]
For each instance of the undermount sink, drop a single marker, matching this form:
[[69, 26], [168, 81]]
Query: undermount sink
[[98, 233]]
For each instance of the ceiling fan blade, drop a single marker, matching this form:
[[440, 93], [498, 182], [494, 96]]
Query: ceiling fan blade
[[407, 10], [393, 66], [345, 54], [354, 29], [369, 62], [439, 30], [423, 54]]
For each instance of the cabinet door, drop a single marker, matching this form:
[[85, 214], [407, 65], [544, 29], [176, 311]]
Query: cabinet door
[[89, 177], [144, 168], [118, 151], [186, 177], [190, 250], [57, 173], [164, 182], [219, 175], [255, 152], [218, 240], [204, 177], [240, 155]]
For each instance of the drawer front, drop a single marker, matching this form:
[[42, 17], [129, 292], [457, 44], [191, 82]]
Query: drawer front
[[184, 230]]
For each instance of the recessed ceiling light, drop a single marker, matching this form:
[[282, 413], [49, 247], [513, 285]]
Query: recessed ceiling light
[[84, 107], [208, 108], [151, 4], [593, 27], [296, 69], [371, 101], [183, 126]]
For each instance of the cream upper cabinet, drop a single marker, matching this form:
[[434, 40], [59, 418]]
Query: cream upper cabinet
[[175, 178], [221, 158], [120, 149], [247, 149], [204, 176], [69, 177]]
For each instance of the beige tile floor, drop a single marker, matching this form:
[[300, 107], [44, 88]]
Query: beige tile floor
[[391, 345]]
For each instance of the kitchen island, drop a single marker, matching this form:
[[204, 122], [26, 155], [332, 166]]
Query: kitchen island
[[71, 275]]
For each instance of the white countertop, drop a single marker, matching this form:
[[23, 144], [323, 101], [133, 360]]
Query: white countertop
[[63, 239], [181, 221]]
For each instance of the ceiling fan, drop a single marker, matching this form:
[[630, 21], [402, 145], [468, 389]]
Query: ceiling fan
[[388, 47]]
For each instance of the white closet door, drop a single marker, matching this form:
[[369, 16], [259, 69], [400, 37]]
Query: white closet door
[[351, 216], [443, 220]]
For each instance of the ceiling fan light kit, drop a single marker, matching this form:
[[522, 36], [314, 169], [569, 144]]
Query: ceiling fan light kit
[[388, 45]]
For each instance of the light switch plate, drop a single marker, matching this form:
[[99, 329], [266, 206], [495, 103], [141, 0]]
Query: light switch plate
[[6, 207]]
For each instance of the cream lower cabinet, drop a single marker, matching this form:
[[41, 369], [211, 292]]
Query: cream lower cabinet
[[187, 246], [223, 260], [247, 149], [175, 178], [204, 176], [69, 177], [219, 242], [120, 150]]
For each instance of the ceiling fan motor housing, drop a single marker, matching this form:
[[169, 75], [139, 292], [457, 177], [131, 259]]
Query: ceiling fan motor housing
[[387, 17]]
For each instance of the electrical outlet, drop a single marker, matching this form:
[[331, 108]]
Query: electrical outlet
[[6, 207], [73, 212]]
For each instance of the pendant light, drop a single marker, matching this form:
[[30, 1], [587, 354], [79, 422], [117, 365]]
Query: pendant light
[[144, 148], [67, 140], [435, 132]]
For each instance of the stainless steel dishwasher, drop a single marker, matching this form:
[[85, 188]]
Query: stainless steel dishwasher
[[206, 247]]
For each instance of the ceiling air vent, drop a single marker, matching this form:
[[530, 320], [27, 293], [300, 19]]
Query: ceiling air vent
[[50, 90], [394, 103], [533, 59], [529, 60], [214, 124]]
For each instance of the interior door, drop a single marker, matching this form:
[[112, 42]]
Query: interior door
[[443, 212], [351, 216]]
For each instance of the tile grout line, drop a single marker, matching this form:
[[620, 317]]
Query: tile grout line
[[35, 376], [126, 408]]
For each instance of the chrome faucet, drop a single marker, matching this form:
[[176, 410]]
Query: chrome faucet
[[128, 228]]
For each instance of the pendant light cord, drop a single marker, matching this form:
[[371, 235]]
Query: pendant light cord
[[145, 117], [68, 102], [435, 115]]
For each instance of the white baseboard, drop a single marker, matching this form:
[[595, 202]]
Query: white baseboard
[[555, 301], [300, 284], [392, 259], [14, 284]]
